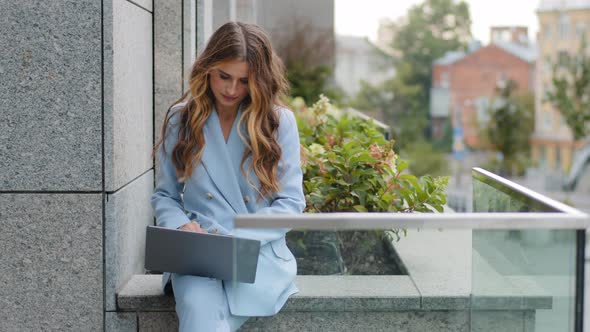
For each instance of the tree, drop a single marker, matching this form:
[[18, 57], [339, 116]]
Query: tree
[[423, 159], [570, 93], [308, 55], [397, 102], [429, 31], [510, 126]]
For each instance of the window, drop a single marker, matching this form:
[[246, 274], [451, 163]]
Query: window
[[482, 107], [523, 38], [548, 87], [547, 120], [547, 32], [501, 78], [562, 58], [547, 65], [564, 25], [444, 80], [542, 156], [581, 29], [557, 158]]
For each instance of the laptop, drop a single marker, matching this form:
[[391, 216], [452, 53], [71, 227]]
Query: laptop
[[207, 255]]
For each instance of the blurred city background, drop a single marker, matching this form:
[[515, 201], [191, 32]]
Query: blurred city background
[[502, 85]]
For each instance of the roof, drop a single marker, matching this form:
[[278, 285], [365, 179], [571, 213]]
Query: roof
[[526, 53], [360, 45], [551, 5], [353, 43], [454, 56], [450, 58]]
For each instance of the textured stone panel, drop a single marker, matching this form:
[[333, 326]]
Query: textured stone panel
[[144, 292], [443, 283], [167, 58], [456, 321], [128, 93], [189, 34], [158, 322], [587, 293], [120, 322], [502, 321], [354, 293], [128, 212], [50, 115], [51, 268]]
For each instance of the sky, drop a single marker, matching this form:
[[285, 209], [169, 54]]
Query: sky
[[355, 21]]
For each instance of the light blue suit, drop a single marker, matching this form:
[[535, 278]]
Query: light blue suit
[[217, 191]]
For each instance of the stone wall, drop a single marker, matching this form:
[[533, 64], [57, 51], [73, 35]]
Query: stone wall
[[77, 132], [52, 184]]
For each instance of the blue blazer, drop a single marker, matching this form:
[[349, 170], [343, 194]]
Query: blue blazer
[[217, 191]]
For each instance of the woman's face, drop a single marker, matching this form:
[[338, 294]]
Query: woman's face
[[229, 83]]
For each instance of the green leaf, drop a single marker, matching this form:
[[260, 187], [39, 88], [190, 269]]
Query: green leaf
[[359, 208]]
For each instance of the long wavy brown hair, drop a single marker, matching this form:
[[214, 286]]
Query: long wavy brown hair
[[267, 88]]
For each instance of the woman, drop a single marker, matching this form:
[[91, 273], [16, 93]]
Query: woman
[[234, 150]]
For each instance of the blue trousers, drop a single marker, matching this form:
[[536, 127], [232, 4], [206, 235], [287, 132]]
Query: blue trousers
[[201, 305]]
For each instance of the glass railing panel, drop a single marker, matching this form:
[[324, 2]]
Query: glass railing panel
[[529, 272], [345, 252], [520, 276]]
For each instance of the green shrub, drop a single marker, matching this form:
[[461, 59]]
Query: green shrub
[[424, 159], [349, 166]]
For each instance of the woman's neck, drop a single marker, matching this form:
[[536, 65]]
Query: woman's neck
[[226, 113]]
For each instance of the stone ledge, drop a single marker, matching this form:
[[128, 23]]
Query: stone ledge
[[143, 292], [317, 293], [341, 293]]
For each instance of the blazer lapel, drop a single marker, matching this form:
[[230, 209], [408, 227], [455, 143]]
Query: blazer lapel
[[218, 163]]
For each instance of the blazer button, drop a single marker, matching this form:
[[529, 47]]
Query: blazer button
[[209, 196], [247, 199]]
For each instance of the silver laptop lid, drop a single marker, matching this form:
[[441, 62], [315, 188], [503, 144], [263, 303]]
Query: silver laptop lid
[[206, 255]]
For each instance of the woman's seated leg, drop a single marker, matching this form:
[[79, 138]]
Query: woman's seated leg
[[201, 305]]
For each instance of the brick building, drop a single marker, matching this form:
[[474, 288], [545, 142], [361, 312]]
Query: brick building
[[463, 83]]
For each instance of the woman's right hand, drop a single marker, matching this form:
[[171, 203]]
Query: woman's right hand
[[192, 226]]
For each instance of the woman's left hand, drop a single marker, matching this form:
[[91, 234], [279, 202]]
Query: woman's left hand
[[193, 226]]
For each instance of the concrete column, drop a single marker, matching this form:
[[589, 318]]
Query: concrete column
[[168, 58], [128, 139]]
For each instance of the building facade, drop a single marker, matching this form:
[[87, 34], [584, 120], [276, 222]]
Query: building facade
[[562, 25], [358, 59], [285, 21], [464, 83]]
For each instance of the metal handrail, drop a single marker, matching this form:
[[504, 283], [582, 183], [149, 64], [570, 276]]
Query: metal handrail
[[531, 198], [557, 215]]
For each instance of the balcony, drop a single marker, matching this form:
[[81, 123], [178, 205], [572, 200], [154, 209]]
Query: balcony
[[515, 264]]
